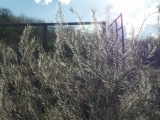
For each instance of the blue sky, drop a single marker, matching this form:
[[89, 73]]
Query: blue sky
[[133, 12], [44, 10]]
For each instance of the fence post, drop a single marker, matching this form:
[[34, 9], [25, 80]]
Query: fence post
[[116, 29], [104, 28], [45, 42], [123, 59], [122, 33]]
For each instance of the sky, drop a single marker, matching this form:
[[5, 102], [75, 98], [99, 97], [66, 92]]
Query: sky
[[134, 12]]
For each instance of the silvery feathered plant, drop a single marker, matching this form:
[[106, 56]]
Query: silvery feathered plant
[[88, 77]]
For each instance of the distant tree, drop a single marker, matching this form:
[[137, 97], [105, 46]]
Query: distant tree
[[11, 35], [5, 15]]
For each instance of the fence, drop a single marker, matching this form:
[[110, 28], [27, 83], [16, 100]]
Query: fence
[[103, 23], [45, 25]]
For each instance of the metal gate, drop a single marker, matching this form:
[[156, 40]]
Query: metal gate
[[114, 29]]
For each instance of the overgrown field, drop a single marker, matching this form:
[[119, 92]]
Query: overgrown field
[[87, 77]]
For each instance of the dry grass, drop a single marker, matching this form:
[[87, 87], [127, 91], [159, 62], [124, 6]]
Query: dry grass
[[87, 78]]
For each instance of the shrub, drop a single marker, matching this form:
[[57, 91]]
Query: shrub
[[88, 77]]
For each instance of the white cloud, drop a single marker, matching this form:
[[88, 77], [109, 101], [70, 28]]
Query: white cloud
[[134, 20], [45, 2], [146, 13], [65, 1], [152, 19], [37, 1], [127, 6]]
